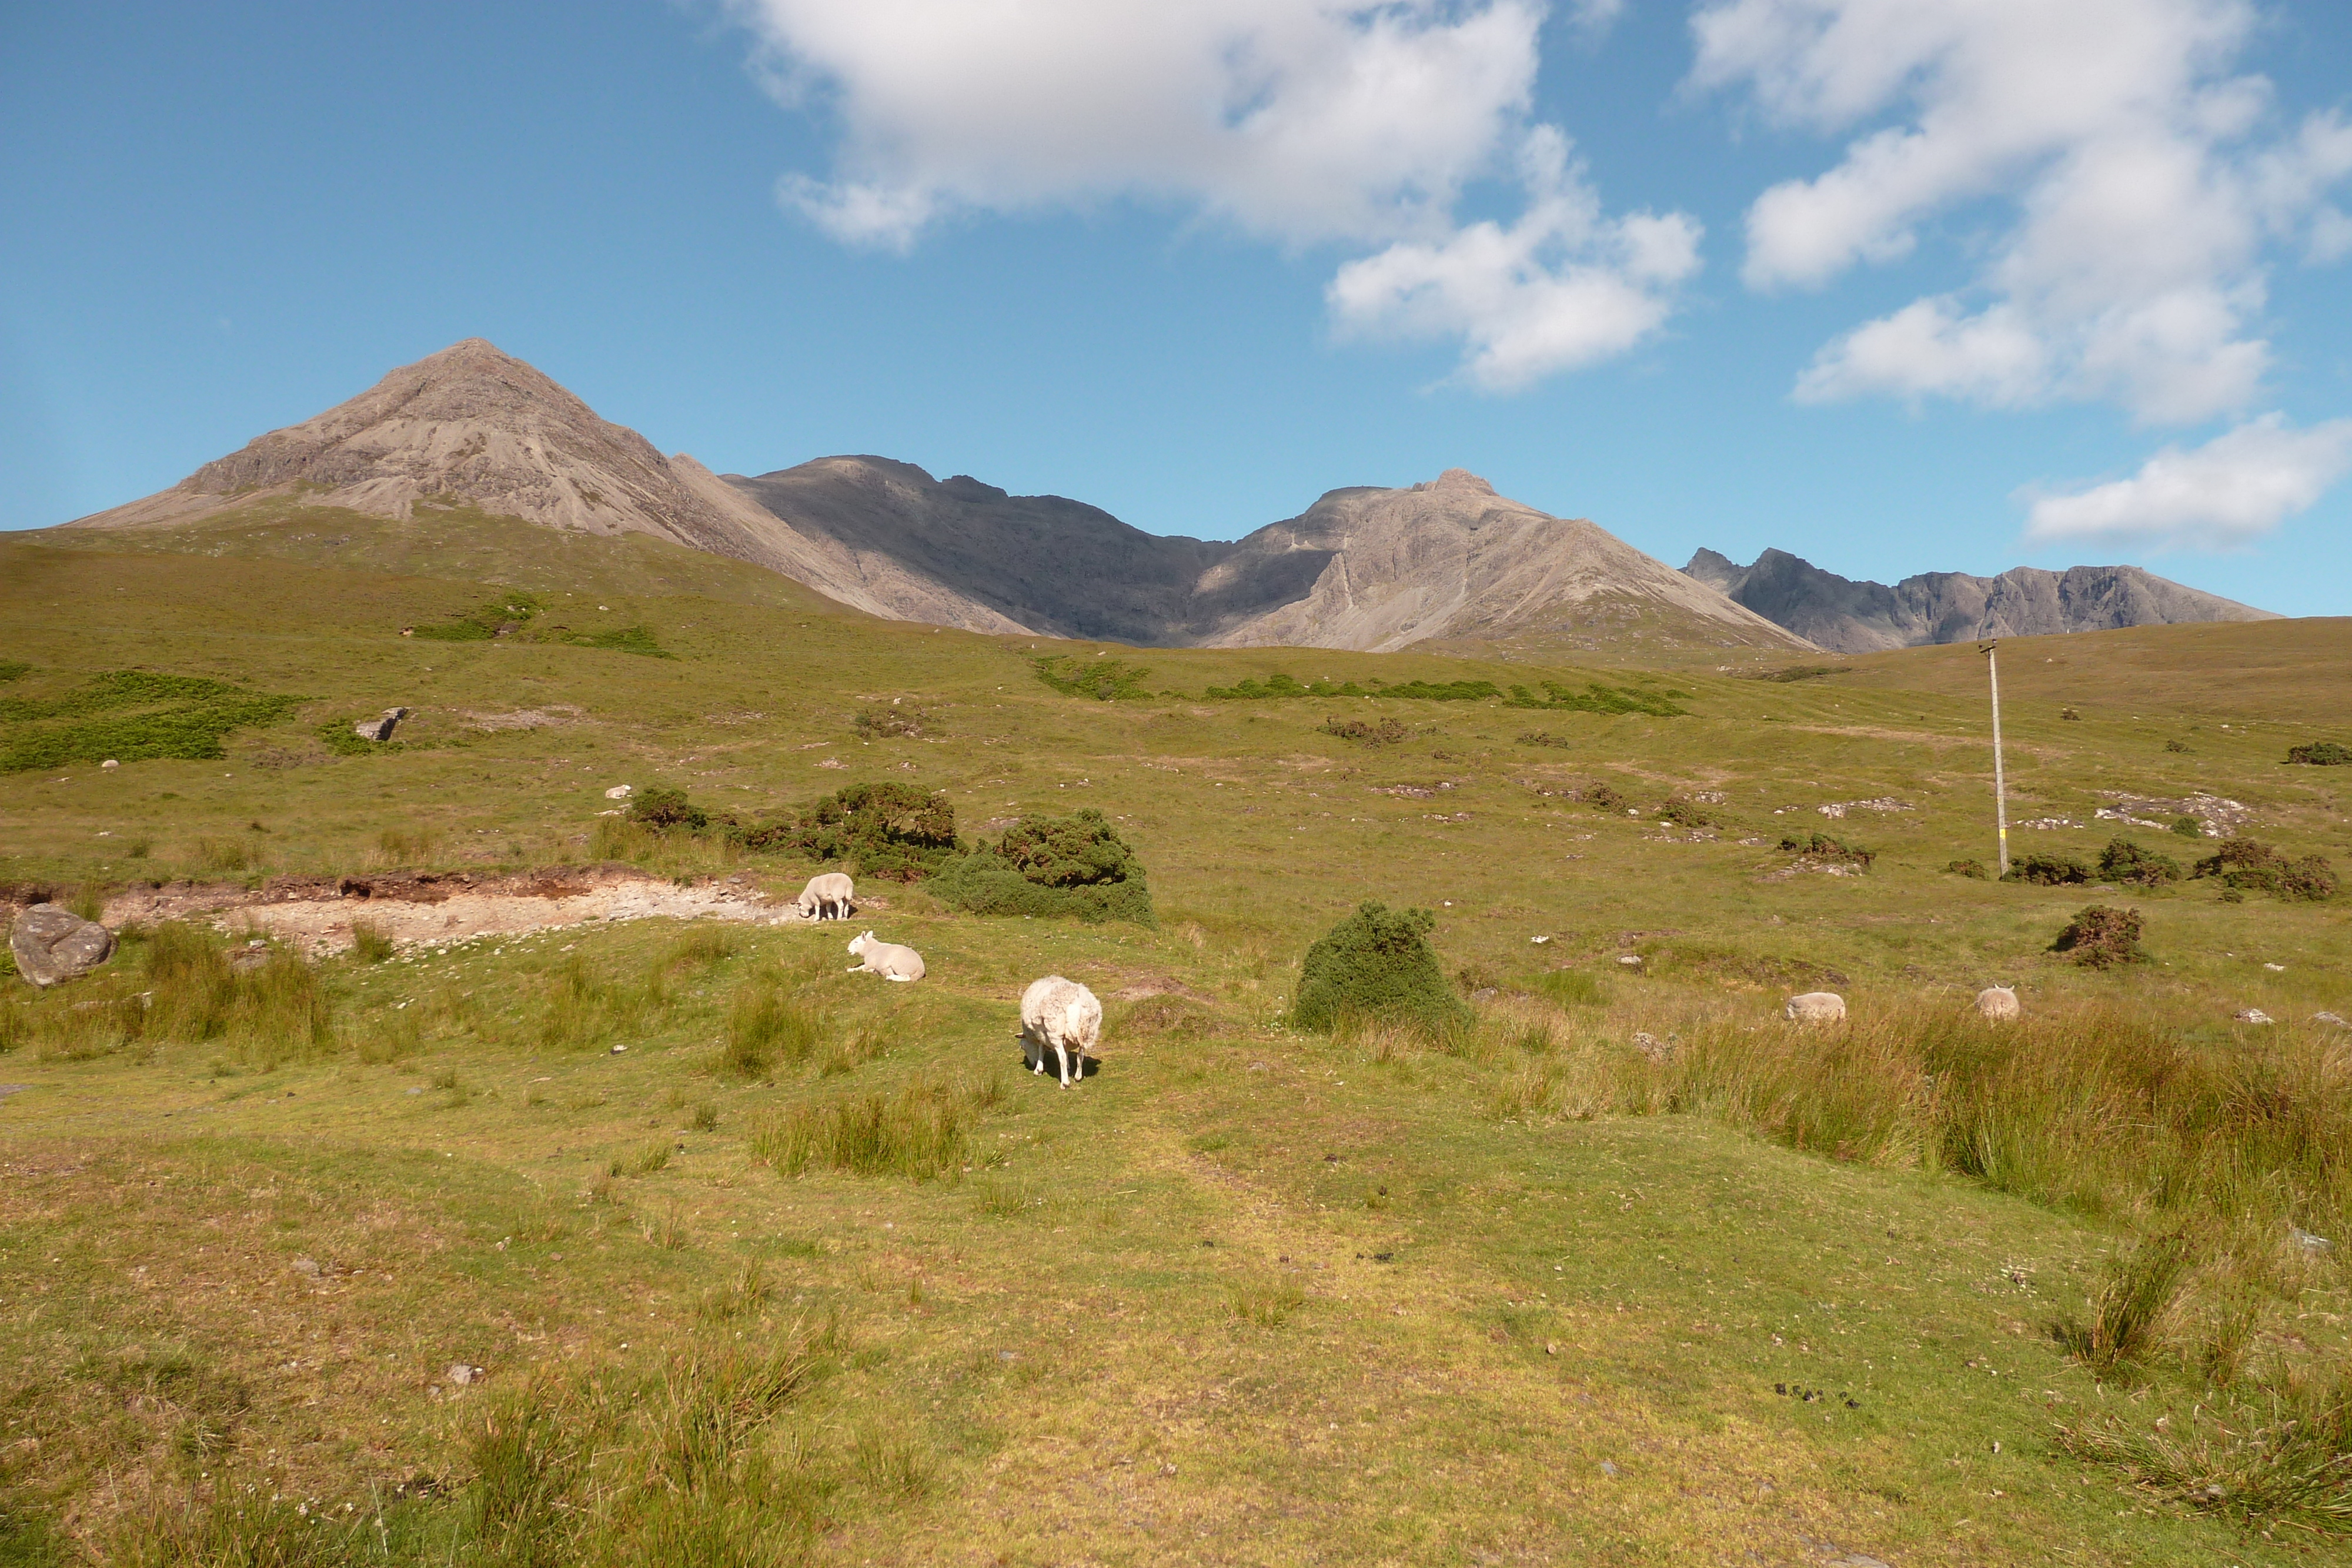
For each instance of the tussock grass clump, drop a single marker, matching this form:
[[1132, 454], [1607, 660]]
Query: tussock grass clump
[[1823, 848], [2126, 862], [1076, 866], [2139, 1293], [1267, 1303], [2101, 937], [2282, 1450], [1368, 732], [369, 945], [1377, 965], [918, 1133]]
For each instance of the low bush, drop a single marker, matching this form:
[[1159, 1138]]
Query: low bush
[[1822, 847], [1684, 813], [1601, 797], [1544, 738], [2049, 871], [500, 617], [1104, 680], [2244, 866], [1377, 965], [892, 720], [1972, 868], [888, 830], [664, 810], [2189, 827], [1366, 732], [1076, 866], [2124, 862], [2321, 754], [2101, 937], [1792, 673], [1595, 698], [2180, 747]]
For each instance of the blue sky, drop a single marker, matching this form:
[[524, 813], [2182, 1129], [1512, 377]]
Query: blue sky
[[1896, 285]]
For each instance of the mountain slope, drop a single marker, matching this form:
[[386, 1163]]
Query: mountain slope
[[473, 424], [1850, 617]]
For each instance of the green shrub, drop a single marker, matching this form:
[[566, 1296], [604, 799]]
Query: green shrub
[[186, 716], [13, 669], [1377, 964], [1684, 813], [2124, 862], [2180, 747], [1104, 680], [2049, 871], [888, 830], [764, 1025], [2102, 938], [662, 810], [1075, 866], [2189, 827], [893, 719], [2321, 754], [2244, 866], [502, 616], [1601, 797], [1974, 868], [1595, 698]]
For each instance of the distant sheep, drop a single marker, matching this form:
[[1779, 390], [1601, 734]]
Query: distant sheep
[[826, 897], [1998, 1003], [887, 959], [1063, 1016], [1816, 1006]]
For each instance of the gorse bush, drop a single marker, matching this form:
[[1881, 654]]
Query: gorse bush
[[664, 810], [2048, 871], [887, 830], [1968, 868], [1376, 966], [1076, 866], [1822, 847], [1104, 680], [2321, 754], [2126, 862], [2101, 937], [2247, 866], [1367, 732]]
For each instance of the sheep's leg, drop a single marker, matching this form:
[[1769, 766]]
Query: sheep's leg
[[1062, 1056]]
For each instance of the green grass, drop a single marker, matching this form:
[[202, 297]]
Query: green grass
[[1247, 1293]]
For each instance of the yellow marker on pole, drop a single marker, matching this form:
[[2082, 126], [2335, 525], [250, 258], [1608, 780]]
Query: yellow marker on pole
[[1999, 784]]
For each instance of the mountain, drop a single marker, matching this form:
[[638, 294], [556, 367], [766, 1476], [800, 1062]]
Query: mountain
[[1446, 562], [1849, 617]]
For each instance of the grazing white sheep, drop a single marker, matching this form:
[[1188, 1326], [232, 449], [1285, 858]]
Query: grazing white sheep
[[826, 897], [1063, 1016], [1817, 1007], [887, 959], [1998, 1003]]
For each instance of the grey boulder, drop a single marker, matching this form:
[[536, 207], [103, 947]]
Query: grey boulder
[[380, 728], [51, 944]]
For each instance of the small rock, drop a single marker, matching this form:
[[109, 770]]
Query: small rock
[[1485, 993], [1538, 941], [2252, 1015], [52, 944], [1609, 1469], [308, 1268], [1630, 960], [618, 1049], [110, 764], [1998, 1003], [1816, 1006], [380, 728], [2275, 969], [246, 960], [619, 792], [1650, 1046], [463, 1375], [2331, 1019], [2308, 1242]]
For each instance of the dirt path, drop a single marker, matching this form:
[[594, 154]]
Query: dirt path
[[317, 914]]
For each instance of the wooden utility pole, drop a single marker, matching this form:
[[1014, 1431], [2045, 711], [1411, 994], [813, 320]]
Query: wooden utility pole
[[1999, 783]]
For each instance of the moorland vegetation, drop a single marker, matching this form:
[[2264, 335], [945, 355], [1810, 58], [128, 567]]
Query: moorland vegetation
[[1452, 1185]]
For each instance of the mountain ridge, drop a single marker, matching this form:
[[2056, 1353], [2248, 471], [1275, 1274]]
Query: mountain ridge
[[1849, 616]]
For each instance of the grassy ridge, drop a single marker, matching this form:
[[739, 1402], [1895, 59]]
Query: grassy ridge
[[1249, 1294]]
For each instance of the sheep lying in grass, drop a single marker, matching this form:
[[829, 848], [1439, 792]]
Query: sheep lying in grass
[[887, 959], [1998, 1003], [826, 897], [1816, 1006], [1062, 1016]]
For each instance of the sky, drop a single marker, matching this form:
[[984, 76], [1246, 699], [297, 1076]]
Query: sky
[[1898, 285]]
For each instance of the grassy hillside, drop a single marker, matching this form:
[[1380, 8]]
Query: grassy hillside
[[1528, 1291]]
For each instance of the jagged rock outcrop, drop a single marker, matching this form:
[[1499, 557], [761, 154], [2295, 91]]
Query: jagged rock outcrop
[[1849, 617]]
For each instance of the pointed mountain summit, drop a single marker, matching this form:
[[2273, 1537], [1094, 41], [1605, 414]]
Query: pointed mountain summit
[[1850, 617]]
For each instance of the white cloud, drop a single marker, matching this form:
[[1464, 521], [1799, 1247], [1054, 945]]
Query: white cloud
[[2227, 493], [1354, 123], [2145, 186], [1560, 287]]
